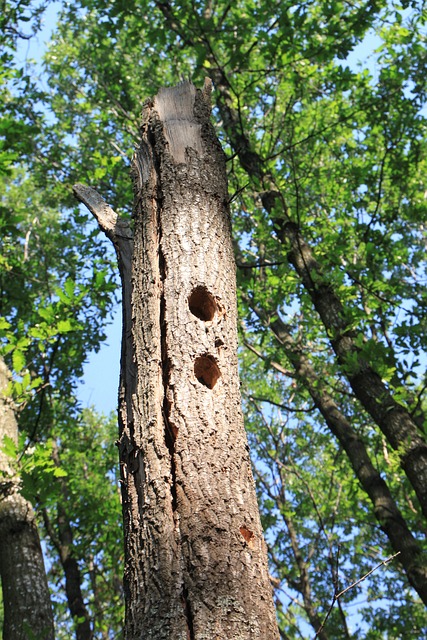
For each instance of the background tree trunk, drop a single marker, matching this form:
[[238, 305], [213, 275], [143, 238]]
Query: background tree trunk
[[26, 599], [196, 559], [385, 508], [63, 541]]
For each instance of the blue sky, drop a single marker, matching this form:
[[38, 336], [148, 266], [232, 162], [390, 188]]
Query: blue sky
[[100, 382]]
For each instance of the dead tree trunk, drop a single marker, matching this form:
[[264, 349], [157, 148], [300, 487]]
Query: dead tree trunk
[[196, 563], [26, 599]]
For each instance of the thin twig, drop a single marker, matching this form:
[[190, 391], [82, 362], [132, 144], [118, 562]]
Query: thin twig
[[258, 265], [337, 596], [283, 406], [237, 193], [272, 363], [384, 562]]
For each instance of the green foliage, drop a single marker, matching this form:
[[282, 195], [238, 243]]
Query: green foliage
[[344, 145], [85, 487], [57, 291], [9, 447]]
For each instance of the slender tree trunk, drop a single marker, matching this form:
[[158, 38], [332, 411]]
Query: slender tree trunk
[[304, 586], [61, 537], [412, 557], [394, 420], [73, 577], [26, 599], [196, 563]]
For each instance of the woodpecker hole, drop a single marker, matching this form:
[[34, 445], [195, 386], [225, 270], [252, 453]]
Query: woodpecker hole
[[202, 304], [206, 371]]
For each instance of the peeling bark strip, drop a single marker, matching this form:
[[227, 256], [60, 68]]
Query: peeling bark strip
[[196, 563]]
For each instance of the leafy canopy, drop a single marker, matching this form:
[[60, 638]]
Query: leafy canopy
[[314, 140]]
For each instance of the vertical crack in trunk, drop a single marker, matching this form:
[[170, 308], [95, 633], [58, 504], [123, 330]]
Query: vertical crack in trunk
[[188, 614], [169, 430]]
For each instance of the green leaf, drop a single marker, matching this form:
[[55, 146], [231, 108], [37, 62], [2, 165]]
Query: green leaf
[[8, 447], [63, 326], [18, 360]]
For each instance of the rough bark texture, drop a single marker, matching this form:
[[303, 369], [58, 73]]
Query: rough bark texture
[[196, 563], [190, 501], [26, 599]]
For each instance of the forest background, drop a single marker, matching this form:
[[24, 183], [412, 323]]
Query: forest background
[[327, 176]]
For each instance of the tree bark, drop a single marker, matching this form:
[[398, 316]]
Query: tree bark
[[26, 600], [196, 563]]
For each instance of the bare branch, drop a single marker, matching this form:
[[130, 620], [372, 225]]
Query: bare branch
[[107, 218], [283, 406], [274, 365]]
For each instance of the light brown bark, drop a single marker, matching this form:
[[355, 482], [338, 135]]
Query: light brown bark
[[196, 563], [26, 599]]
